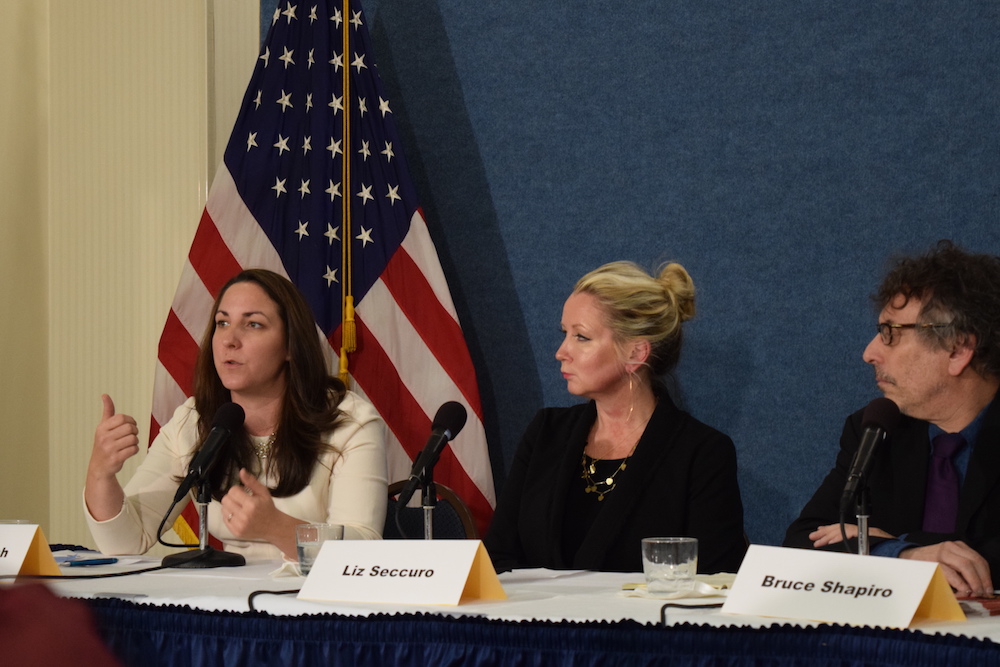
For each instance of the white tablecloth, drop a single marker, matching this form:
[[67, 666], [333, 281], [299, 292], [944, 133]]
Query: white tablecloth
[[531, 595]]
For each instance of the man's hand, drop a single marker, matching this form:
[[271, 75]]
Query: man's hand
[[825, 535], [966, 571]]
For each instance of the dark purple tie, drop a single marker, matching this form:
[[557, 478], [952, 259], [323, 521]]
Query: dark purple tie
[[941, 505]]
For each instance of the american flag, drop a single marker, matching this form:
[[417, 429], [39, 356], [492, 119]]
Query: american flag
[[278, 201]]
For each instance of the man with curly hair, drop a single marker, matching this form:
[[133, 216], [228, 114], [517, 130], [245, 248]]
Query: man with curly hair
[[935, 481]]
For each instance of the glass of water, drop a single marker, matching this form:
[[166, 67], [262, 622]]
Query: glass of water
[[309, 537], [669, 563]]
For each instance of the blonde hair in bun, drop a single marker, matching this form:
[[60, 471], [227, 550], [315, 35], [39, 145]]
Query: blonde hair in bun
[[679, 288], [638, 306]]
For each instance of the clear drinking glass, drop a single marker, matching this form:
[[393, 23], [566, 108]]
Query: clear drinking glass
[[309, 537], [669, 563]]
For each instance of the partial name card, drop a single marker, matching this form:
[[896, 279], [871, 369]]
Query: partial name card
[[438, 572], [24, 550], [835, 587]]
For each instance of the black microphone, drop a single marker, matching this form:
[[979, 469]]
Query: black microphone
[[878, 420], [448, 421], [229, 417]]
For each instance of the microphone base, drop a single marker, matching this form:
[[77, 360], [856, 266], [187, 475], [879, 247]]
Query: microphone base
[[204, 558]]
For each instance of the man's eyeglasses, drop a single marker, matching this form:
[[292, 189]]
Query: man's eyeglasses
[[887, 331]]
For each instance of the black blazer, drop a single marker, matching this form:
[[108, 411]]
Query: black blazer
[[897, 482], [680, 482]]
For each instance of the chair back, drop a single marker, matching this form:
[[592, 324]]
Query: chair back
[[452, 518]]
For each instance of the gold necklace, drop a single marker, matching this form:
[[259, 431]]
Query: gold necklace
[[263, 449], [590, 469]]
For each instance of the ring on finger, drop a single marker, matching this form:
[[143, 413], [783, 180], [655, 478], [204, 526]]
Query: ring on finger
[[248, 490]]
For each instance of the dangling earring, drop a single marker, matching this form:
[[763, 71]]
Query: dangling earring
[[631, 397]]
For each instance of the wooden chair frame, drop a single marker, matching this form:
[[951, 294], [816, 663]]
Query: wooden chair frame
[[448, 495]]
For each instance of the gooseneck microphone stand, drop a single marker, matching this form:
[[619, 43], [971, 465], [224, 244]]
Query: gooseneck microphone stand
[[863, 512], [428, 499], [878, 420], [205, 556]]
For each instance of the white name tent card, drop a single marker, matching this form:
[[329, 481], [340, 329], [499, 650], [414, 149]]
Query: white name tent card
[[840, 588], [444, 572], [24, 550]]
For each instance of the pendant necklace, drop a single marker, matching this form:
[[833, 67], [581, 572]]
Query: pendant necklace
[[263, 448]]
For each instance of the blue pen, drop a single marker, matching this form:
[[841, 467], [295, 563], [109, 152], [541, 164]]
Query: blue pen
[[92, 561]]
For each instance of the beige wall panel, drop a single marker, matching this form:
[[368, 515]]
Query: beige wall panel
[[24, 454], [143, 98], [236, 27], [128, 177]]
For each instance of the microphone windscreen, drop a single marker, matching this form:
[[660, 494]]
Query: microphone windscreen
[[229, 416], [881, 413], [451, 416]]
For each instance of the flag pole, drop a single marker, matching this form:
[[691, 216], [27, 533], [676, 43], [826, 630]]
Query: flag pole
[[348, 337]]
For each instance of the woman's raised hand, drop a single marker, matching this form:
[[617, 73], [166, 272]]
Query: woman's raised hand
[[115, 440]]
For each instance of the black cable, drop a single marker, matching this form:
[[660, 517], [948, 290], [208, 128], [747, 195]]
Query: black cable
[[107, 575], [663, 609], [399, 524], [257, 593], [843, 535], [160, 531]]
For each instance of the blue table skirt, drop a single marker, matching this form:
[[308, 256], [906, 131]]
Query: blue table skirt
[[169, 635]]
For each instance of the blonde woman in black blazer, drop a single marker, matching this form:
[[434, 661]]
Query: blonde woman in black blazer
[[590, 481]]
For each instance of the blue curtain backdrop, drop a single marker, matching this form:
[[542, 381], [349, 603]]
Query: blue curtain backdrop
[[781, 151]]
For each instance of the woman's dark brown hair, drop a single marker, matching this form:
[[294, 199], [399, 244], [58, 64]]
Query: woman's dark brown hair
[[308, 411]]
